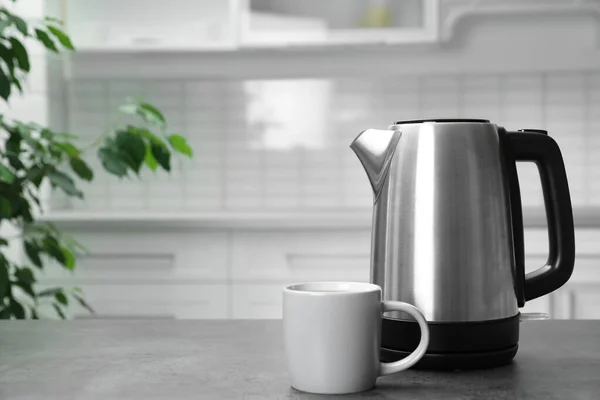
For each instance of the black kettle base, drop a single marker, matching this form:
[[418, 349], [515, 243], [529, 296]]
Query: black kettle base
[[455, 361], [453, 345]]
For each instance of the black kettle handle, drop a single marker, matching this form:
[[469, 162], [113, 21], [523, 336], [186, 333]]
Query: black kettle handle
[[538, 147]]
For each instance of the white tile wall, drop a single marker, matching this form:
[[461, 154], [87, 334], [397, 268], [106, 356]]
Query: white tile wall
[[274, 145]]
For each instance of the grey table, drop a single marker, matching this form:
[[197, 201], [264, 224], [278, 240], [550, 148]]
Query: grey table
[[244, 360]]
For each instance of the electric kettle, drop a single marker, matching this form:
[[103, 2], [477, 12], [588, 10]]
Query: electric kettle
[[447, 234]]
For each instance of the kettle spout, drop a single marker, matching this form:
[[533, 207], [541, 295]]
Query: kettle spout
[[375, 149]]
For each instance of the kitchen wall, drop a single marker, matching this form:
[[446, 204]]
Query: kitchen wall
[[282, 144], [271, 129]]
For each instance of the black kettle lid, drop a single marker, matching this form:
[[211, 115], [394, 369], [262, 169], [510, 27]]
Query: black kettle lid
[[443, 120]]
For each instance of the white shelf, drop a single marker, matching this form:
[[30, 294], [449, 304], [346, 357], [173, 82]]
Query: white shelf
[[585, 217], [217, 220]]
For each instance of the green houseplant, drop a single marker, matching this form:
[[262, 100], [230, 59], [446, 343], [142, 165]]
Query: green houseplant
[[32, 156]]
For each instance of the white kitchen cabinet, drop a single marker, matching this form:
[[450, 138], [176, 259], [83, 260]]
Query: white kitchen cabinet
[[137, 256], [194, 301], [135, 25], [315, 22], [229, 24], [140, 300], [187, 25], [224, 271], [158, 274], [584, 301], [295, 256]]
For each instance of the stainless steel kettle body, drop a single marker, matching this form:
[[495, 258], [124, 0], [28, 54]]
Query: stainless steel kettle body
[[447, 232]]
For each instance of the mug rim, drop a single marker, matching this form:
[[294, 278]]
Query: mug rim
[[337, 288]]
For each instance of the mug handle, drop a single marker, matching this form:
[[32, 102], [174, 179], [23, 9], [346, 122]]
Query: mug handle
[[415, 356]]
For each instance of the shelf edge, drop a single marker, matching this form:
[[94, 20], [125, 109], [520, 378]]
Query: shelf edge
[[585, 217]]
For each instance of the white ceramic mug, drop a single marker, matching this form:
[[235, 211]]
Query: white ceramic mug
[[332, 334]]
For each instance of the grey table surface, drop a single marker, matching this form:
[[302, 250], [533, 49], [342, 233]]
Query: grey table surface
[[163, 359]]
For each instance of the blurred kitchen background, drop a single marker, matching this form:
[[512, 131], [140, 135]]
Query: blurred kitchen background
[[270, 94]]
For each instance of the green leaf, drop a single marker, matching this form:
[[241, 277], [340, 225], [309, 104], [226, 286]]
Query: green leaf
[[64, 135], [148, 112], [73, 244], [35, 145], [34, 197], [15, 162], [27, 288], [149, 159], [16, 82], [149, 135], [59, 311], [133, 146], [4, 24], [152, 115], [62, 37], [5, 207], [13, 144], [180, 144], [3, 242], [3, 277], [5, 313], [49, 292], [51, 247], [64, 182], [68, 148], [21, 207], [6, 175], [17, 309], [33, 253], [25, 275], [81, 169], [162, 156], [69, 258], [36, 175], [84, 303], [54, 20], [20, 24], [61, 298], [45, 40], [47, 228], [20, 54], [112, 162], [5, 85], [7, 56]]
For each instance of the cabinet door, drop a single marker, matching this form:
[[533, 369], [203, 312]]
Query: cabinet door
[[577, 301], [317, 22], [149, 275], [292, 256], [288, 257], [137, 256], [183, 24], [585, 301], [152, 301]]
